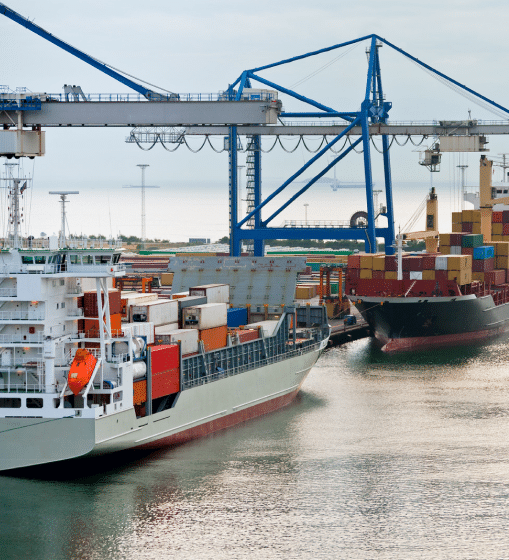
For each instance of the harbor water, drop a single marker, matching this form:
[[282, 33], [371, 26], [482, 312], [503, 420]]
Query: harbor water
[[380, 457]]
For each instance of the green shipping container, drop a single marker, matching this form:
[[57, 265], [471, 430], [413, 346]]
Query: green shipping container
[[472, 240]]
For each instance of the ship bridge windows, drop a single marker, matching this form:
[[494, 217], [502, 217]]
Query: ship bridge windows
[[40, 259], [102, 259], [74, 259], [27, 259]]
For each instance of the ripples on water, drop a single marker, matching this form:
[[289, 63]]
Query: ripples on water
[[386, 457]]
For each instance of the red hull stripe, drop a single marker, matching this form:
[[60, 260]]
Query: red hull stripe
[[222, 423], [423, 342]]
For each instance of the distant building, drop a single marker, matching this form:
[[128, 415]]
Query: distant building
[[200, 240]]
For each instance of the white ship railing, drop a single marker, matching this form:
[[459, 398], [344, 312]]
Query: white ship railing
[[95, 268], [70, 243], [8, 292], [25, 381], [21, 316], [75, 312], [21, 338], [75, 291]]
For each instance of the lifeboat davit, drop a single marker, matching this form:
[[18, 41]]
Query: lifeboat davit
[[81, 371]]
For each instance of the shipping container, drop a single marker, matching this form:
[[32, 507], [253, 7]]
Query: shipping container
[[236, 316], [415, 275], [91, 326], [128, 299], [354, 261], [215, 293], [267, 327], [484, 252], [304, 292], [505, 216], [245, 335], [391, 275], [90, 302], [366, 261], [456, 217], [160, 312], [428, 275], [496, 217], [214, 338], [145, 330], [501, 248], [206, 316], [391, 263], [462, 277], [166, 278], [473, 240], [483, 265], [188, 338], [366, 274], [164, 371], [379, 262], [467, 227], [140, 392]]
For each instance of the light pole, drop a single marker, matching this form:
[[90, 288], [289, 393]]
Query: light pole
[[306, 213]]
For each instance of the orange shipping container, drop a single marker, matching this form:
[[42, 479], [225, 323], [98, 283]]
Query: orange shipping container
[[214, 338], [92, 326], [140, 391], [496, 217]]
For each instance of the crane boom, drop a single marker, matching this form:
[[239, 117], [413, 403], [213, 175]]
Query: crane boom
[[18, 18]]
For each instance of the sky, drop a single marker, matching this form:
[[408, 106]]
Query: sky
[[201, 47]]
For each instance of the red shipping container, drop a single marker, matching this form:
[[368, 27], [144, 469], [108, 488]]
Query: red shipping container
[[505, 229], [245, 335], [428, 262], [505, 217], [455, 239], [496, 217], [354, 261], [507, 275], [467, 227], [165, 373], [391, 263], [467, 251], [483, 265], [90, 303], [353, 273], [495, 277], [406, 275], [413, 264], [378, 274], [441, 275]]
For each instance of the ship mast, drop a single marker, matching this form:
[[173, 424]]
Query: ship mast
[[15, 215], [63, 200]]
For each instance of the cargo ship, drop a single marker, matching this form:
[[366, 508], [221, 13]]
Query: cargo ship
[[453, 294], [77, 379]]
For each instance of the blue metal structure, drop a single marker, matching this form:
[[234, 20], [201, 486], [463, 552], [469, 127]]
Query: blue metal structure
[[374, 110], [18, 18]]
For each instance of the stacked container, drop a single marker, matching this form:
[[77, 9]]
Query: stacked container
[[91, 313], [159, 312], [128, 299], [165, 370], [188, 338], [500, 226], [215, 293], [210, 321]]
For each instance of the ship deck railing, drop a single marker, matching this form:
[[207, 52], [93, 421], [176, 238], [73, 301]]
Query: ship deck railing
[[221, 373]]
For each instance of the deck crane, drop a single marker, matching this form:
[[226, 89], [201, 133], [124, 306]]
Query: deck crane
[[430, 235]]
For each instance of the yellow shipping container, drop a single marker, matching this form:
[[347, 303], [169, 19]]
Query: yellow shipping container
[[501, 248], [467, 215], [462, 277], [378, 263], [456, 228], [478, 276], [505, 238], [445, 249], [496, 229], [476, 219], [366, 274], [459, 262], [502, 262], [391, 275], [445, 239], [496, 237], [303, 292], [476, 227], [367, 261], [166, 278], [428, 274], [456, 217]]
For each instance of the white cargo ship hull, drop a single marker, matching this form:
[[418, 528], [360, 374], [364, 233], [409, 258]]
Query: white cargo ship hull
[[198, 411]]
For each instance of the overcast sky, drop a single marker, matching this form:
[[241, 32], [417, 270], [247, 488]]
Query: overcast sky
[[202, 46]]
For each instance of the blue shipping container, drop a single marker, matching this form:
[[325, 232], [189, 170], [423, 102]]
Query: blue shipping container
[[236, 316], [486, 252]]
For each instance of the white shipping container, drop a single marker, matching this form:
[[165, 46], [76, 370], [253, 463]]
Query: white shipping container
[[268, 327], [188, 339], [164, 329], [415, 275], [160, 312], [215, 293], [207, 316], [455, 250], [180, 294], [139, 329], [441, 262]]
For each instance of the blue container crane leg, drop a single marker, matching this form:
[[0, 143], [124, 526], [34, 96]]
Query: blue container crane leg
[[235, 241], [258, 244]]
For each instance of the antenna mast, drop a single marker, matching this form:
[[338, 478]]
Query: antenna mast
[[63, 200]]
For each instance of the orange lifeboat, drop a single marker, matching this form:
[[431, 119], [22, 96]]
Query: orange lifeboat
[[81, 371]]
